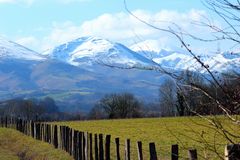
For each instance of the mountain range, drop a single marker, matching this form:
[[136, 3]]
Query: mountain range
[[78, 73]]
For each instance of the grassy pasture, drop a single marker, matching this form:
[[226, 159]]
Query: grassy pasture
[[16, 146], [185, 131]]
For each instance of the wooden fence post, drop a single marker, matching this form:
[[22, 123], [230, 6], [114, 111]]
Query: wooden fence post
[[6, 122], [96, 146], [50, 134], [174, 154], [80, 149], [38, 131], [127, 150], [55, 136], [67, 139], [90, 146], [101, 154], [60, 137], [232, 152], [117, 148], [139, 150], [153, 153], [46, 132], [70, 141], [64, 138], [2, 121], [86, 145], [41, 131], [74, 144], [192, 153], [34, 130], [107, 147], [83, 145]]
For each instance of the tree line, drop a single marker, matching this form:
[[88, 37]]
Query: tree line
[[196, 94], [175, 99], [33, 109]]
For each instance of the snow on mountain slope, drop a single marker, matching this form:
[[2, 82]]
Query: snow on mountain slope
[[216, 62], [178, 58], [181, 60], [175, 61], [224, 62], [91, 50], [9, 49]]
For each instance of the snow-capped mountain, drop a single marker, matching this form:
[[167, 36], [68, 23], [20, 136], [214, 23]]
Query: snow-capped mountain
[[224, 62], [92, 50], [181, 60], [72, 75], [12, 50], [79, 83]]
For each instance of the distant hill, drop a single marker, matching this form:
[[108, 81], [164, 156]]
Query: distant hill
[[77, 74]]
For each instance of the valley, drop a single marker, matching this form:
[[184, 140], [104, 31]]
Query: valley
[[77, 74]]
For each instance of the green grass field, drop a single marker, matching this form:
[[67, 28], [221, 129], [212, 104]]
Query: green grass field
[[186, 131], [16, 146]]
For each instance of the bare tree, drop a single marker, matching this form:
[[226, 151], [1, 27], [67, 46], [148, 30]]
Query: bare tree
[[123, 105], [97, 112], [167, 94], [221, 94]]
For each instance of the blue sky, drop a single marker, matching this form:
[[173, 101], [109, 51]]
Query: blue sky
[[42, 24]]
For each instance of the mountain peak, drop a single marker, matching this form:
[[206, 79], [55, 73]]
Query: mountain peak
[[9, 49], [90, 50]]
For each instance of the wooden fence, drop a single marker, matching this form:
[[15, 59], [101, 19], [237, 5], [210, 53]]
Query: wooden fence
[[88, 146]]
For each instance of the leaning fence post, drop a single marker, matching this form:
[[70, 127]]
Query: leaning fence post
[[107, 147], [139, 150], [127, 149], [117, 148], [174, 154], [153, 153], [192, 153], [232, 152]]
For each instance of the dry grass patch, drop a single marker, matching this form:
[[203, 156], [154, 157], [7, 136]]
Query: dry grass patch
[[15, 145]]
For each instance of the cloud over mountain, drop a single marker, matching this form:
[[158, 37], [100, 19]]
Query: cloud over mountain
[[122, 27], [30, 2]]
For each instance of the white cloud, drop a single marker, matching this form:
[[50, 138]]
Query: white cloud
[[30, 2], [7, 1], [28, 41], [73, 1], [123, 28], [61, 33], [151, 45], [25, 2]]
